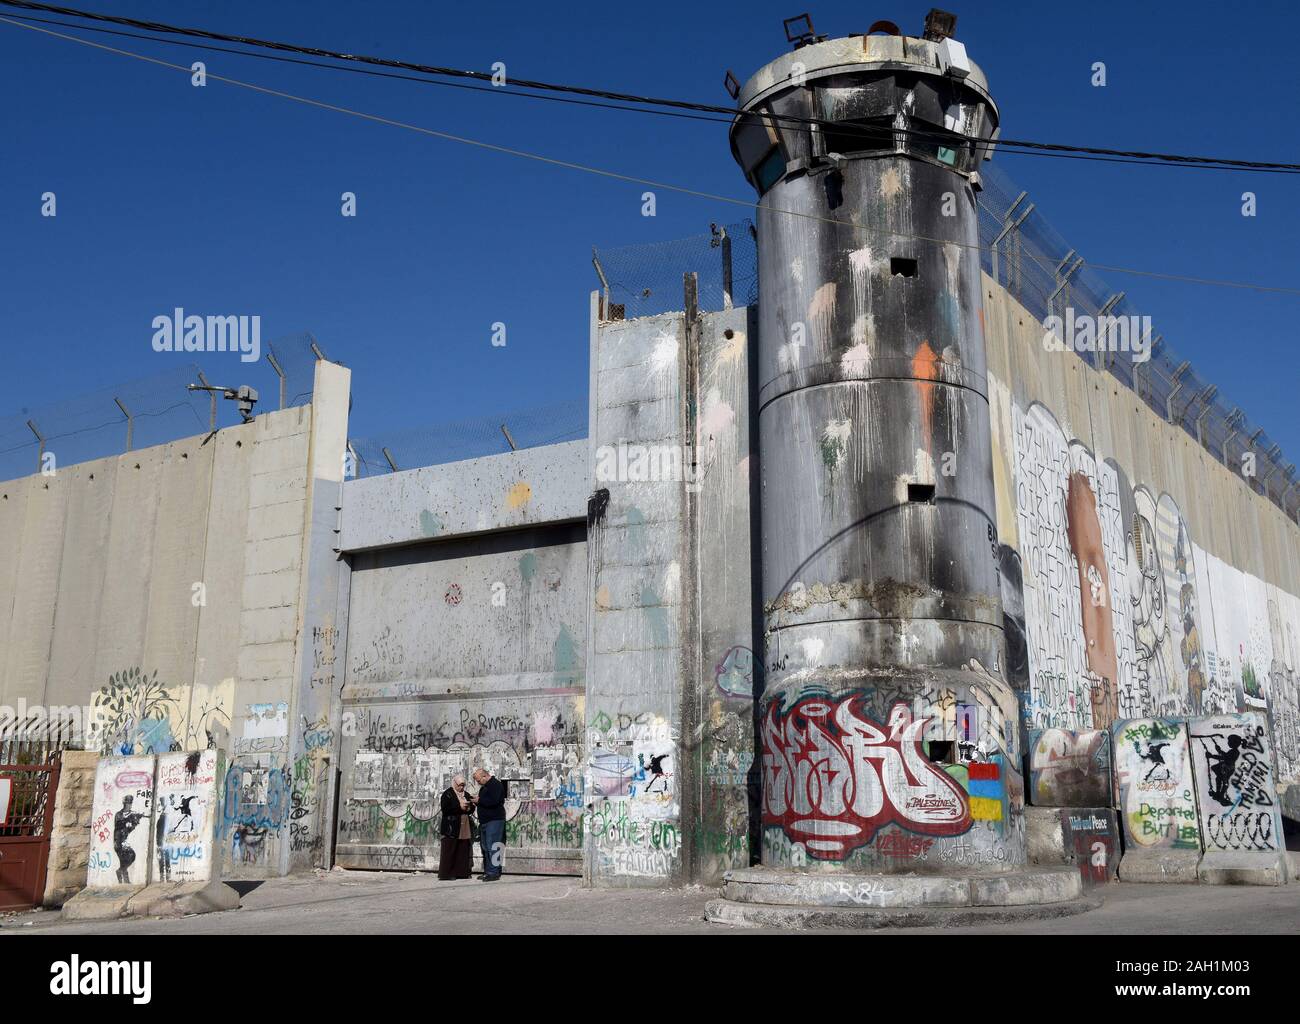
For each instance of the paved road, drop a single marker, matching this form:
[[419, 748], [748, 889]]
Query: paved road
[[364, 903]]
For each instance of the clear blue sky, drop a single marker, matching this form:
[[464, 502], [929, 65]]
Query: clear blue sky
[[225, 201]]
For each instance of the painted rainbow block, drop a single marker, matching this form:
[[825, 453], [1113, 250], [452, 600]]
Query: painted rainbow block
[[985, 789]]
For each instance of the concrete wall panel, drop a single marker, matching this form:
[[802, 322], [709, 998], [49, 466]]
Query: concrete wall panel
[[81, 581]]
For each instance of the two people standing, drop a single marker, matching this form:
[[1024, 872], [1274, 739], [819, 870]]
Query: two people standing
[[458, 809]]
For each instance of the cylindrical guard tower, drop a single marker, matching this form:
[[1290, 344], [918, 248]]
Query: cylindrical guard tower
[[889, 736]]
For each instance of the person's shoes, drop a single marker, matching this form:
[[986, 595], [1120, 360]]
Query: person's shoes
[[491, 878]]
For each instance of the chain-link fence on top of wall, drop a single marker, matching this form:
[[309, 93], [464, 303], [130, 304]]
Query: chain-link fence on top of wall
[[151, 410], [646, 279], [470, 438], [1026, 255]]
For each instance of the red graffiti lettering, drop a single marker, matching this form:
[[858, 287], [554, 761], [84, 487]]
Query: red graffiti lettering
[[834, 777], [900, 844]]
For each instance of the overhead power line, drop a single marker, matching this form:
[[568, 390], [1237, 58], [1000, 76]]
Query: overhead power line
[[1003, 147], [1023, 147], [604, 172]]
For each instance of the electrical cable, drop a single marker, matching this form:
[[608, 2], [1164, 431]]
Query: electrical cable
[[603, 172], [1003, 148], [1163, 159]]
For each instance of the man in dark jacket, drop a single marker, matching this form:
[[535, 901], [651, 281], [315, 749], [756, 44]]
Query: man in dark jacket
[[491, 804]]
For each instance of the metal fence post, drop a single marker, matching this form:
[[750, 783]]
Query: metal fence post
[[212, 399], [1177, 381], [40, 454], [1007, 227], [604, 283], [1275, 465], [1063, 279], [1207, 396], [1107, 354], [130, 423], [1233, 421], [279, 371], [726, 269]]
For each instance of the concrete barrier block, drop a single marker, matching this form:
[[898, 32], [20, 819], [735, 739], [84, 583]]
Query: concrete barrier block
[[1069, 769], [177, 899], [1045, 837], [1157, 804], [1232, 868], [185, 818], [120, 833], [1240, 822], [98, 904], [1159, 865]]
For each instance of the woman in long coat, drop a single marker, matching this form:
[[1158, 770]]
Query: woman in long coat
[[457, 832]]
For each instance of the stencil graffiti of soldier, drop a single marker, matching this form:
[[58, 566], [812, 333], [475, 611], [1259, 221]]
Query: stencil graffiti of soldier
[[1222, 764], [124, 823]]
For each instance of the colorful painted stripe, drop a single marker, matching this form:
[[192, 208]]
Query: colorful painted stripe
[[984, 809]]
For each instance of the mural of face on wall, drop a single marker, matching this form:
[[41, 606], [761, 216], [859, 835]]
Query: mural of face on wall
[[1071, 535], [1084, 531]]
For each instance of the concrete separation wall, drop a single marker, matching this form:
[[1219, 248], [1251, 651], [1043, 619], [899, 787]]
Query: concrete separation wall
[[171, 595], [464, 648], [457, 499], [718, 837], [641, 581], [1155, 582]]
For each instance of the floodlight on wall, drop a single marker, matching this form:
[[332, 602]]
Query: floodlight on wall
[[800, 32], [939, 25]]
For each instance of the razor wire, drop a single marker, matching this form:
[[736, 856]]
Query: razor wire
[[145, 411]]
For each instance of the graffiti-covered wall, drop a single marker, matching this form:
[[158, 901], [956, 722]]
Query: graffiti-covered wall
[[727, 778], [643, 658], [169, 596], [1154, 583], [466, 649]]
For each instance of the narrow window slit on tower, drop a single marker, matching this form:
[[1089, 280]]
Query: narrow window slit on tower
[[922, 494], [901, 266]]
